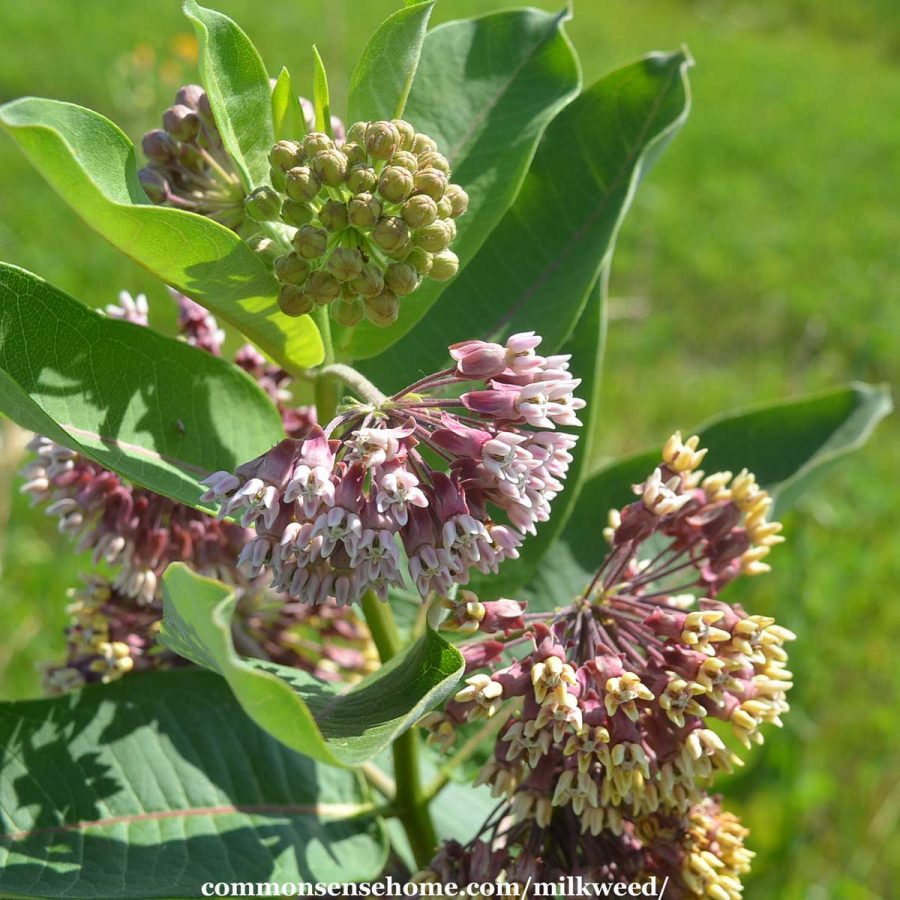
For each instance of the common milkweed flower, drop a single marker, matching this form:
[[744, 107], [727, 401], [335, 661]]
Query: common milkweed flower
[[451, 482], [609, 710]]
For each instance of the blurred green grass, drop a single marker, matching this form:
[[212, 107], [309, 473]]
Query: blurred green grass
[[760, 260]]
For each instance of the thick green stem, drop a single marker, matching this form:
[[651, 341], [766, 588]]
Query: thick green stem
[[410, 802], [327, 388]]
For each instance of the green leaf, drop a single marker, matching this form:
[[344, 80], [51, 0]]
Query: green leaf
[[536, 270], [381, 81], [91, 164], [237, 84], [287, 114], [156, 784], [785, 445], [158, 411], [321, 97], [485, 89], [341, 726]]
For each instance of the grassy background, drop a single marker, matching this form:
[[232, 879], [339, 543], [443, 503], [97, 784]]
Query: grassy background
[[759, 261]]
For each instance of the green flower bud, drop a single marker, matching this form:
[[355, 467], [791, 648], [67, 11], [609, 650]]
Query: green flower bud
[[300, 183], [356, 155], [369, 282], [361, 179], [390, 233], [405, 160], [330, 166], [383, 309], [345, 263], [348, 311], [264, 246], [423, 144], [294, 301], [263, 204], [395, 184], [382, 140], [323, 287], [434, 237], [310, 242], [296, 213], [444, 208], [401, 278], [291, 269], [420, 260], [276, 176], [333, 216], [431, 182], [181, 122], [444, 265], [434, 160], [419, 211], [357, 133], [406, 131], [459, 200], [316, 141], [285, 155], [363, 210]]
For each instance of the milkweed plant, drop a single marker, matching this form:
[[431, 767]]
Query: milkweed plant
[[363, 599]]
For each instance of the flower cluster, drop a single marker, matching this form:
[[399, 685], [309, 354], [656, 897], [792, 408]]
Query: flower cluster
[[610, 710], [115, 623], [189, 167], [699, 853], [109, 635], [328, 510], [370, 218]]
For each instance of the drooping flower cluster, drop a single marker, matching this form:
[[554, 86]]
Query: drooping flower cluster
[[699, 853], [370, 218], [611, 711], [189, 167], [329, 510], [138, 533]]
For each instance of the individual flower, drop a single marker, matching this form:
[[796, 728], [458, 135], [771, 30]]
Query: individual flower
[[369, 219], [130, 309], [452, 481], [609, 712]]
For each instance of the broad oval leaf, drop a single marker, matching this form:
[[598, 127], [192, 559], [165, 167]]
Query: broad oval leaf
[[343, 727], [536, 270], [381, 80], [156, 784], [237, 85], [91, 164], [785, 445], [484, 89], [156, 410]]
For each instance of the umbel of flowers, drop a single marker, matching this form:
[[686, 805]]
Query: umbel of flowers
[[137, 533], [371, 217], [361, 221], [455, 479], [609, 741]]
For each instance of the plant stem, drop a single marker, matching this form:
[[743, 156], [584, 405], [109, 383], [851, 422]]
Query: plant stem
[[410, 803], [326, 386], [356, 381]]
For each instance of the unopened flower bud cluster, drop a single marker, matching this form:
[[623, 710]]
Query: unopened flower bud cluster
[[372, 217]]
